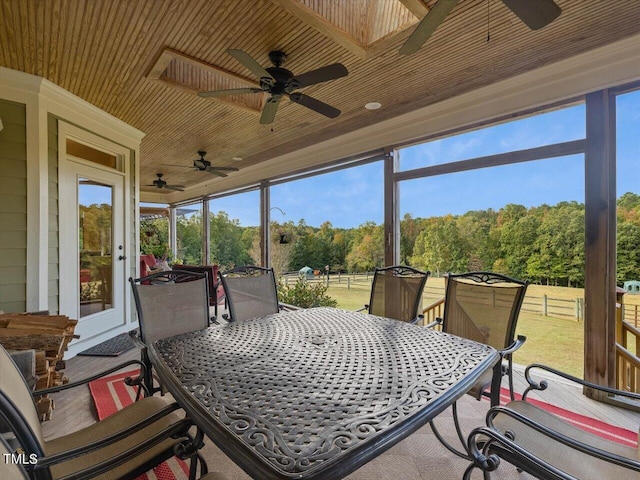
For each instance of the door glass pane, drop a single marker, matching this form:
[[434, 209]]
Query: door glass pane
[[95, 206]]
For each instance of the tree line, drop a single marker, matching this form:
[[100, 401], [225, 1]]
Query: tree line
[[543, 244]]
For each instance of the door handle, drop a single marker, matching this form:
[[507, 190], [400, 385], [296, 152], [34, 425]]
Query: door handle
[[122, 257]]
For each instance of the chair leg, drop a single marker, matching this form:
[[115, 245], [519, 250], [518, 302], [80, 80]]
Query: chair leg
[[510, 374], [461, 438]]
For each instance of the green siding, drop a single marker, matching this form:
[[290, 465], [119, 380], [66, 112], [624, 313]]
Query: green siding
[[13, 207], [54, 271]]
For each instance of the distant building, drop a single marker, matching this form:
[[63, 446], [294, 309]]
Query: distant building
[[632, 286]]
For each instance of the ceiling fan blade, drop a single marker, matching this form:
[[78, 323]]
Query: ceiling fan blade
[[226, 169], [214, 171], [230, 91], [322, 74], [178, 188], [250, 64], [427, 26], [535, 14], [269, 110], [174, 165], [315, 105]]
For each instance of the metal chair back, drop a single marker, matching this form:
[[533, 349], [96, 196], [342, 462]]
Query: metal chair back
[[10, 467], [483, 306], [396, 292], [250, 291], [17, 408], [169, 303]]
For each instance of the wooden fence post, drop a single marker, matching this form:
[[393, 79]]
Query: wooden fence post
[[544, 305], [348, 283]]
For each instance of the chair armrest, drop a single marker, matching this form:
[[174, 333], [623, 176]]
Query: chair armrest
[[542, 385], [435, 323], [178, 429], [483, 445], [135, 336], [505, 445], [287, 307], [84, 381], [366, 307], [518, 342]]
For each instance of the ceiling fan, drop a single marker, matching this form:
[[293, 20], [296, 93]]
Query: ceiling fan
[[535, 14], [160, 183], [203, 165], [278, 82]]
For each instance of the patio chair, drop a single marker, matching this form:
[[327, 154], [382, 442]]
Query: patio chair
[[168, 303], [396, 292], [545, 446], [10, 468], [483, 306], [250, 291], [123, 445], [216, 292]]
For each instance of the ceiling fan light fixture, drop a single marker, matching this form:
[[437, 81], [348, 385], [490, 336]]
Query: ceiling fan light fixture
[[373, 105]]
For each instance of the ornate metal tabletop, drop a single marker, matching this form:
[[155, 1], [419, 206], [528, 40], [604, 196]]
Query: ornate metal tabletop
[[315, 393]]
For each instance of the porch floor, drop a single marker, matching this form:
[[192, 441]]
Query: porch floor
[[418, 457]]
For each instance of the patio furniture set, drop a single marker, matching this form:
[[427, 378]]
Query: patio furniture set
[[313, 393]]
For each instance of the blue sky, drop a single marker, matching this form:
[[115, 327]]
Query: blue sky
[[351, 197]]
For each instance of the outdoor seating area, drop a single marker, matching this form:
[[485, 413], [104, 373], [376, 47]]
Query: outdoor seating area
[[299, 375], [318, 240]]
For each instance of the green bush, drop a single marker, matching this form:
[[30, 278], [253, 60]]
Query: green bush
[[306, 295]]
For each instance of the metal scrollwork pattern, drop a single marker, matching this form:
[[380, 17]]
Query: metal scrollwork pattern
[[304, 387]]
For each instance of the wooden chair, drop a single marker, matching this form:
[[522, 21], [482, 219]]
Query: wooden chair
[[545, 446], [168, 303], [123, 445], [396, 292]]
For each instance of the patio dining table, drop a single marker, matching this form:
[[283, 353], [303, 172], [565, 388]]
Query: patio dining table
[[315, 393]]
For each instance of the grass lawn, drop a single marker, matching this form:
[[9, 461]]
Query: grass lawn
[[552, 341]]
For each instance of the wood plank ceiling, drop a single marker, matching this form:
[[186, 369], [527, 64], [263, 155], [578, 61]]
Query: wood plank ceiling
[[143, 61]]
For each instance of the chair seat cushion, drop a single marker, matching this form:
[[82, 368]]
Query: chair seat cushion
[[114, 423], [570, 460]]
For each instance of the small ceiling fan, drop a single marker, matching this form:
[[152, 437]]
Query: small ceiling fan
[[535, 14], [278, 82], [160, 183], [203, 165]]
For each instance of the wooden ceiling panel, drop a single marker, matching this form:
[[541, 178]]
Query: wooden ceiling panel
[[107, 51]]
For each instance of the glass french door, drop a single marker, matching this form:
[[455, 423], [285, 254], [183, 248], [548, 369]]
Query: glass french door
[[92, 266]]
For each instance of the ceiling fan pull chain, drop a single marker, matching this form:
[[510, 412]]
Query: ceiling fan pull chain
[[488, 18]]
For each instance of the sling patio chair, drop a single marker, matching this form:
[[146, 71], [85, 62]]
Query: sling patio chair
[[483, 306], [396, 292], [251, 292], [216, 292], [168, 303], [123, 445], [545, 446]]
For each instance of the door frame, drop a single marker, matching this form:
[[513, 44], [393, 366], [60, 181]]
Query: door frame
[[67, 211]]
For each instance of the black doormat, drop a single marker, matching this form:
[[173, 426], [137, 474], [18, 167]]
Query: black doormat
[[110, 348]]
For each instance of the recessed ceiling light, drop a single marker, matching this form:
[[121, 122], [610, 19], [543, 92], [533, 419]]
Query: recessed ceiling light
[[237, 159], [373, 105]]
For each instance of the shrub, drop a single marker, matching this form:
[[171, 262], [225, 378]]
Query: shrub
[[306, 295]]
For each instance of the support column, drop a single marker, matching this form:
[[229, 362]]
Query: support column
[[391, 225], [265, 225], [206, 231], [600, 240]]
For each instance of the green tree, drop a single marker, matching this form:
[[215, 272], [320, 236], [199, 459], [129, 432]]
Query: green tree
[[367, 249], [440, 248]]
